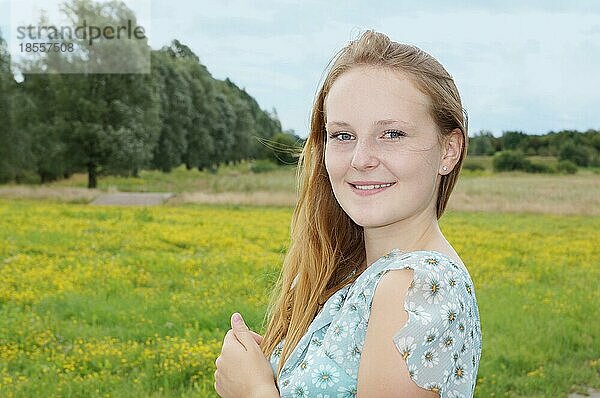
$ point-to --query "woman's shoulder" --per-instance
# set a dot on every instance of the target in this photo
(421, 261)
(439, 282)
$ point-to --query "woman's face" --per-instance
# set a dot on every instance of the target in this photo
(379, 130)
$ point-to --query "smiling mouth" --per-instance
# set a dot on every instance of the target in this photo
(372, 187)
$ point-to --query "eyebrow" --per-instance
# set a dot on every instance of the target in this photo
(384, 122)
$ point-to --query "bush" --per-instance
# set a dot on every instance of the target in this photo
(262, 166)
(537, 167)
(578, 154)
(472, 166)
(566, 166)
(509, 160)
(515, 160)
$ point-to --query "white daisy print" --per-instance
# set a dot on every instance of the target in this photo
(449, 313)
(320, 352)
(462, 329)
(451, 279)
(447, 341)
(325, 376)
(367, 292)
(362, 297)
(300, 390)
(464, 346)
(459, 373)
(456, 394)
(346, 392)
(430, 336)
(433, 386)
(406, 346)
(336, 305)
(303, 366)
(419, 312)
(334, 352)
(278, 350)
(353, 353)
(430, 358)
(338, 330)
(431, 263)
(433, 290)
(413, 371)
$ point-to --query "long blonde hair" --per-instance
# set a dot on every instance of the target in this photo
(326, 245)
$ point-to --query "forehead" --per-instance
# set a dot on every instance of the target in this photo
(367, 92)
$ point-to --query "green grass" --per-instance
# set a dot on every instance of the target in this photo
(129, 302)
(230, 178)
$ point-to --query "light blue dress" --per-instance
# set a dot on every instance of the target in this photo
(441, 341)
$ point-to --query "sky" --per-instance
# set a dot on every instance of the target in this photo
(530, 66)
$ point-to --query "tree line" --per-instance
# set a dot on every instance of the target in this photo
(55, 124)
(580, 148)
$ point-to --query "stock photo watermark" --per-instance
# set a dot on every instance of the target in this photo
(80, 37)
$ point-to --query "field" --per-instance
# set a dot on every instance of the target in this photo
(479, 190)
(132, 302)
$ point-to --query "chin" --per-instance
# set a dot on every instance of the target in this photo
(367, 219)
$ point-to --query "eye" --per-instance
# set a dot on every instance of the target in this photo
(397, 133)
(335, 135)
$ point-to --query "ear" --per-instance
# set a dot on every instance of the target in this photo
(451, 151)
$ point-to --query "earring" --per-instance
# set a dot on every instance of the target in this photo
(445, 168)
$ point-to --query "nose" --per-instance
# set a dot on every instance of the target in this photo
(365, 156)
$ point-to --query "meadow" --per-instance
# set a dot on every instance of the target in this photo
(134, 301)
(478, 190)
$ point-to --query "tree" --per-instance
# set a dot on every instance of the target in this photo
(578, 154)
(482, 143)
(509, 160)
(176, 110)
(106, 123)
(7, 135)
(512, 140)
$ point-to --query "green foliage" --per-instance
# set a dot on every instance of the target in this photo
(262, 166)
(578, 154)
(176, 111)
(286, 148)
(531, 167)
(509, 160)
(583, 148)
(483, 143)
(118, 124)
(513, 140)
(472, 165)
(11, 144)
(103, 123)
(566, 166)
(515, 160)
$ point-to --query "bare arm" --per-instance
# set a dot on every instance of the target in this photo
(383, 372)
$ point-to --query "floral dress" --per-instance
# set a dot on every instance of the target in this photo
(441, 341)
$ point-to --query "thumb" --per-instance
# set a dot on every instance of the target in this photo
(257, 337)
(241, 331)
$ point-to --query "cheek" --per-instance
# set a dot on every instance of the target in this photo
(334, 163)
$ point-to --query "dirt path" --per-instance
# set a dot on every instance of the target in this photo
(132, 199)
(590, 394)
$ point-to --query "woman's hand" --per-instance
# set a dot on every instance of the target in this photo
(242, 369)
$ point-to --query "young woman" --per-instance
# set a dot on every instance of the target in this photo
(373, 301)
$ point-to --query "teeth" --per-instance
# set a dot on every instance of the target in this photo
(366, 187)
